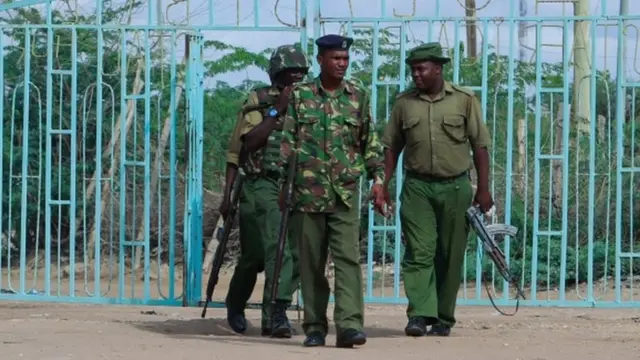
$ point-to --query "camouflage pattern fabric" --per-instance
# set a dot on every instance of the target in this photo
(265, 97)
(287, 57)
(335, 141)
(267, 157)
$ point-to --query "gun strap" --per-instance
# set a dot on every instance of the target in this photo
(297, 132)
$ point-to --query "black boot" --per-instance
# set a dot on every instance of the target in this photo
(281, 328)
(349, 338)
(314, 339)
(237, 321)
(416, 327)
(439, 330)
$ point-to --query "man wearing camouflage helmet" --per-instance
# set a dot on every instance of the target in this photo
(258, 134)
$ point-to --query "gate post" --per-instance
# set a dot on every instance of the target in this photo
(194, 143)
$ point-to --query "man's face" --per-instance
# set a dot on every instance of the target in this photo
(334, 63)
(290, 76)
(424, 74)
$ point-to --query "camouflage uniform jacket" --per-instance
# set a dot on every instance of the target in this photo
(335, 142)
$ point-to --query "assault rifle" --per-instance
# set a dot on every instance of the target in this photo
(223, 234)
(487, 234)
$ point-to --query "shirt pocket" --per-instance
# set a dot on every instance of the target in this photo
(454, 127)
(413, 131)
(307, 128)
(352, 131)
(347, 161)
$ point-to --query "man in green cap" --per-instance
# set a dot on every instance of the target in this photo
(435, 123)
(258, 134)
(328, 129)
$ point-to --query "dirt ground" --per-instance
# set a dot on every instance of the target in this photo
(61, 331)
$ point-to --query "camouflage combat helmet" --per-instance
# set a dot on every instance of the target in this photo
(286, 57)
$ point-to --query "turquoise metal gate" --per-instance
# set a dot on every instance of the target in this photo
(105, 156)
(193, 208)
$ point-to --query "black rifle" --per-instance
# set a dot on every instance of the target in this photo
(223, 238)
(487, 234)
(288, 188)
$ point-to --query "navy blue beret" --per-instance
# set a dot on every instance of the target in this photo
(331, 42)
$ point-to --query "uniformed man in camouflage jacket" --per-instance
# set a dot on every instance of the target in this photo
(435, 123)
(328, 127)
(258, 133)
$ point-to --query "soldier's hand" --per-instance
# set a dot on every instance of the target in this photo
(282, 103)
(225, 206)
(483, 200)
(379, 199)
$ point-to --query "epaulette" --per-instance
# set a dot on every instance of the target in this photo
(263, 95)
(405, 92)
(463, 89)
(264, 100)
(357, 83)
(261, 87)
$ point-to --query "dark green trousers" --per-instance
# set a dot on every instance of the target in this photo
(435, 230)
(268, 215)
(251, 260)
(259, 227)
(316, 233)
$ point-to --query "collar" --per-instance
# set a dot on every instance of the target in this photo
(447, 89)
(345, 86)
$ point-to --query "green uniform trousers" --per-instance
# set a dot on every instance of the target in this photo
(259, 225)
(251, 260)
(316, 233)
(435, 230)
(267, 192)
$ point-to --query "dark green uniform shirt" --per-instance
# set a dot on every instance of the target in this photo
(435, 134)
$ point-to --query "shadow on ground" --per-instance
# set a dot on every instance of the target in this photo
(217, 330)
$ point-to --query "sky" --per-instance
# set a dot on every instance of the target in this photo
(241, 13)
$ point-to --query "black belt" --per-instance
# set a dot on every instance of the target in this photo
(434, 178)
